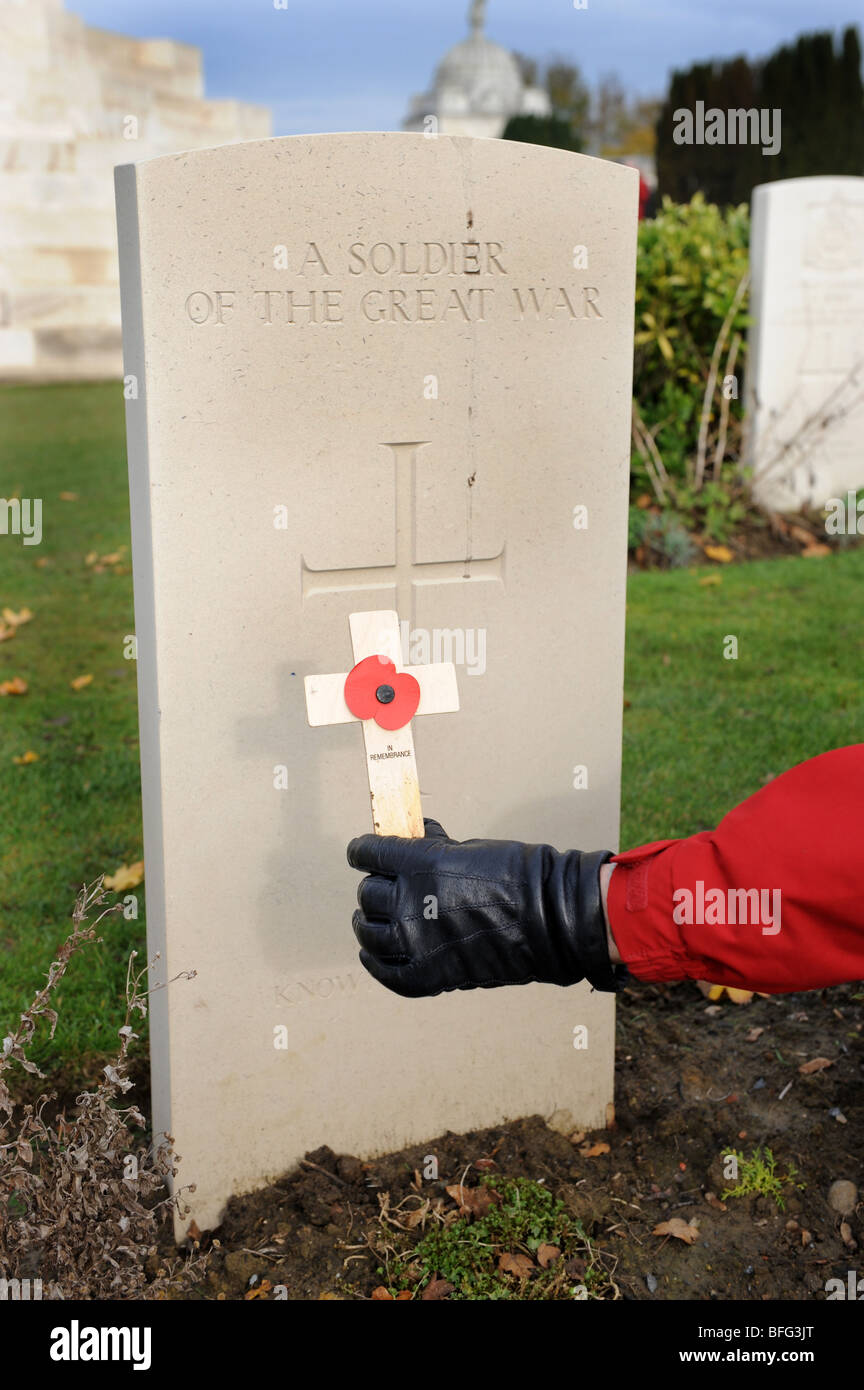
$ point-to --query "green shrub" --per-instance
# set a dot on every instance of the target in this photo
(663, 536)
(691, 321)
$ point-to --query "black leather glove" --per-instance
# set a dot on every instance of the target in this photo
(437, 915)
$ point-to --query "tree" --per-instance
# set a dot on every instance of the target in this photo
(568, 95)
(542, 130)
(529, 69)
(815, 86)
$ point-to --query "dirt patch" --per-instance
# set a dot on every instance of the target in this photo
(691, 1087)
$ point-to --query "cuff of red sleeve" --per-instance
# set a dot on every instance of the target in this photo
(639, 905)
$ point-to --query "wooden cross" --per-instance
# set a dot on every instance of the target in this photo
(384, 695)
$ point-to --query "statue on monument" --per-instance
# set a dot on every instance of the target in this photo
(477, 16)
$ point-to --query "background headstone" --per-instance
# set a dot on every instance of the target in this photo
(373, 371)
(805, 381)
(74, 102)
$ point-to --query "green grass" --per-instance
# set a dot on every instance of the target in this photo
(76, 812)
(701, 732)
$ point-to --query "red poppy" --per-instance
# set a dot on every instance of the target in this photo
(374, 690)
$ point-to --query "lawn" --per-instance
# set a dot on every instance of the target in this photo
(701, 731)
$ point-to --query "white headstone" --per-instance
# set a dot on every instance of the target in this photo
(806, 372)
(374, 371)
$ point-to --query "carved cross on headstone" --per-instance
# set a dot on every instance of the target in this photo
(384, 695)
(406, 574)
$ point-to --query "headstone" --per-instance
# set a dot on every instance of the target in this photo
(373, 371)
(806, 372)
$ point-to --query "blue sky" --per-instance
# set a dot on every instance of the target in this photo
(352, 64)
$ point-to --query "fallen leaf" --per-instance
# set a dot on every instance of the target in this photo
(681, 1230)
(127, 876)
(484, 1164)
(28, 757)
(754, 1034)
(711, 579)
(817, 1064)
(800, 535)
(382, 1295)
(846, 1235)
(737, 996)
(402, 1297)
(520, 1265)
(714, 1201)
(24, 615)
(435, 1290)
(80, 682)
(547, 1255)
(593, 1150)
(473, 1201)
(260, 1290)
(410, 1219)
(577, 1136)
(721, 553)
(6, 633)
(815, 549)
(16, 686)
(68, 496)
(806, 1238)
(710, 991)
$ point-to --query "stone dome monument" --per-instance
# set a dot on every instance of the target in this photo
(477, 87)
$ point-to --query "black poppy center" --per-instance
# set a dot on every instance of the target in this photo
(385, 694)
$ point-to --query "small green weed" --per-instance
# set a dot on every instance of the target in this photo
(757, 1177)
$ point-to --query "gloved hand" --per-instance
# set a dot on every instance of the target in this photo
(438, 915)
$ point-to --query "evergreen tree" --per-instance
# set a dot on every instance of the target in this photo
(542, 130)
(816, 86)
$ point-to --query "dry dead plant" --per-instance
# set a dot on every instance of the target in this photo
(83, 1201)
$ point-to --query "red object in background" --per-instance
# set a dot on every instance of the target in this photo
(375, 690)
(802, 835)
(644, 195)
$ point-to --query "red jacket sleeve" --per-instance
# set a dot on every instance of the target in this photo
(772, 900)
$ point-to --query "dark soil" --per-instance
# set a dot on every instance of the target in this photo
(758, 537)
(691, 1086)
